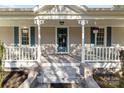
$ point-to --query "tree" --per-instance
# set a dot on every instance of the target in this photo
(118, 6)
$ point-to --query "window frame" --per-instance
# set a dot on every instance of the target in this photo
(20, 36)
(104, 37)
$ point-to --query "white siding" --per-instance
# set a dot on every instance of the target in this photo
(118, 36)
(7, 35)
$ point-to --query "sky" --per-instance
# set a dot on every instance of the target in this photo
(99, 6)
(16, 6)
(30, 6)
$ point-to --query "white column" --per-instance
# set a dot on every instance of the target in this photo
(82, 23)
(38, 21)
(95, 39)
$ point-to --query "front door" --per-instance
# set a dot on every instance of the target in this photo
(62, 40)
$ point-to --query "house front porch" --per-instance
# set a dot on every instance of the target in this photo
(62, 44)
(61, 33)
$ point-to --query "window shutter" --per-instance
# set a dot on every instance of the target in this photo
(92, 36)
(109, 37)
(16, 36)
(32, 36)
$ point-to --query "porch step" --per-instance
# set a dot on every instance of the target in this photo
(19, 64)
(58, 74)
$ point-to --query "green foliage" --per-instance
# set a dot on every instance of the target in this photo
(1, 57)
(108, 85)
(122, 61)
(1, 52)
(118, 6)
(121, 83)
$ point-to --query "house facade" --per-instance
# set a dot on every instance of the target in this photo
(61, 35)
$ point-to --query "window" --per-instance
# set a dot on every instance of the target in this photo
(25, 36)
(100, 37)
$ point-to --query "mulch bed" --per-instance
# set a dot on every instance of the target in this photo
(108, 78)
(3, 74)
(14, 79)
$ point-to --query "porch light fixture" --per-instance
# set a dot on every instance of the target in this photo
(95, 30)
(25, 30)
(61, 22)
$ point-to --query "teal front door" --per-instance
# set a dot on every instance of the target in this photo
(62, 40)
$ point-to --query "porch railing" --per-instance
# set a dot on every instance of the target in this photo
(20, 53)
(102, 54)
(91, 54)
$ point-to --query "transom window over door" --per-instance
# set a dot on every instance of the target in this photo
(100, 37)
(25, 36)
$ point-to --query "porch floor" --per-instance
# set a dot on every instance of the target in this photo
(56, 58)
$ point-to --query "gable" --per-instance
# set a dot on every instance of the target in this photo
(59, 9)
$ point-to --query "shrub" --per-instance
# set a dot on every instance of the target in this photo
(1, 57)
(122, 61)
(1, 52)
(121, 83)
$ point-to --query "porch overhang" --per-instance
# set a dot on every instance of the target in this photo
(59, 17)
(77, 17)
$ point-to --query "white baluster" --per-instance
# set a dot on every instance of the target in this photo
(21, 53)
(86, 53)
(103, 53)
(112, 52)
(25, 53)
(96, 53)
(6, 54)
(106, 53)
(35, 53)
(118, 55)
(99, 53)
(31, 53)
(28, 53)
(109, 54)
(10, 53)
(92, 53)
